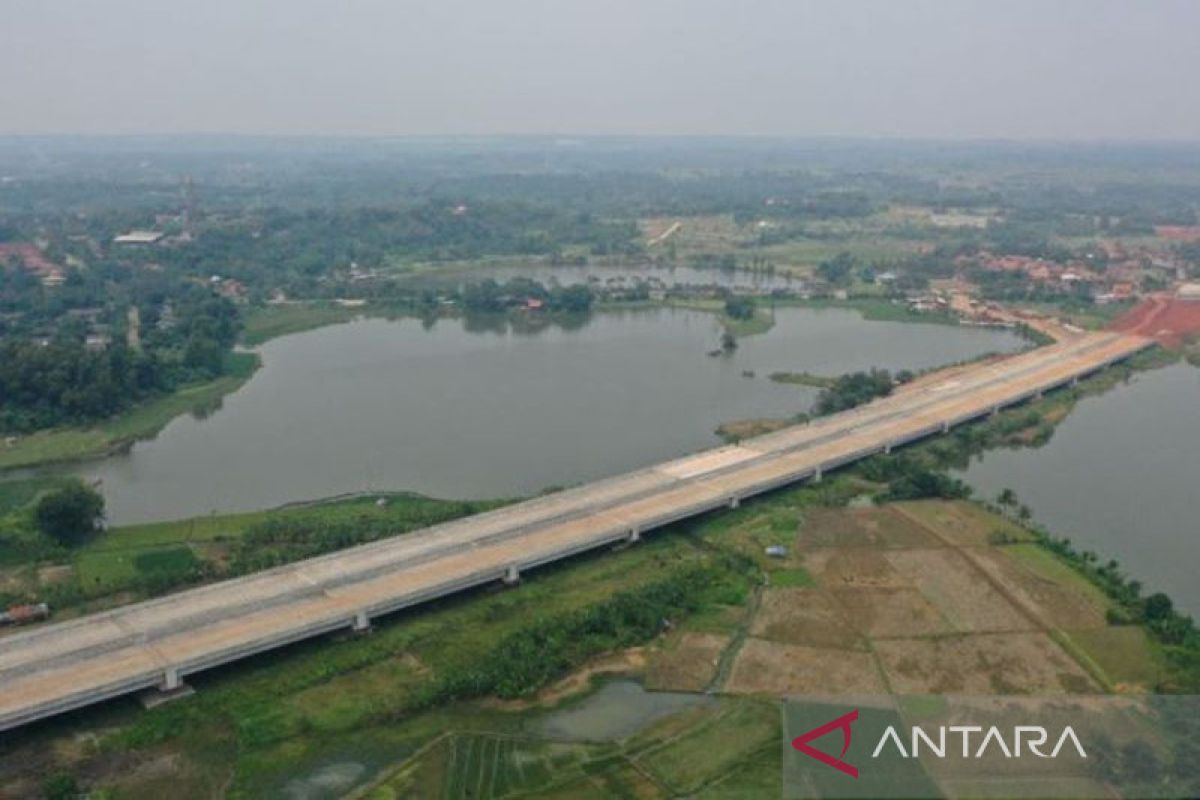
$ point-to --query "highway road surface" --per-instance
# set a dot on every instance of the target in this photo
(57, 667)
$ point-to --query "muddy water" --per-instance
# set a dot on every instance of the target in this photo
(618, 710)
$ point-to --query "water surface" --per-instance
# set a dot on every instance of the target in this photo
(1120, 476)
(461, 410)
(618, 710)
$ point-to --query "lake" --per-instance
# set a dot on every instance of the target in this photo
(1120, 476)
(463, 410)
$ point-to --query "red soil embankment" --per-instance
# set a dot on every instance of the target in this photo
(1161, 317)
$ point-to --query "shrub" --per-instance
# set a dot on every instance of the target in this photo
(70, 515)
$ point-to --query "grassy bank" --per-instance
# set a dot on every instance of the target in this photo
(270, 322)
(761, 322)
(140, 422)
(875, 310)
(803, 379)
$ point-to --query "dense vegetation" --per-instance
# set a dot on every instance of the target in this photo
(71, 514)
(68, 379)
(545, 649)
(488, 296)
(853, 390)
(739, 307)
(279, 540)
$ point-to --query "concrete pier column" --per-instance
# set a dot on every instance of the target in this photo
(170, 689)
(361, 622)
(1074, 381)
(734, 501)
(817, 475)
(512, 576)
(1039, 395)
(945, 427)
(635, 535)
(995, 410)
(887, 448)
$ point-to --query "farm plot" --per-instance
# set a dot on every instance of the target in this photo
(804, 616)
(863, 527)
(953, 585)
(925, 597)
(1005, 663)
(688, 663)
(774, 668)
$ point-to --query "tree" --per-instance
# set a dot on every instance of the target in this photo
(739, 307)
(70, 515)
(1007, 497)
(836, 271)
(1158, 607)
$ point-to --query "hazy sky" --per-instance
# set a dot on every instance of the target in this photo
(933, 68)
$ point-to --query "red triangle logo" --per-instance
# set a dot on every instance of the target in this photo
(842, 723)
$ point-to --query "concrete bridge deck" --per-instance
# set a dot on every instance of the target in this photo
(58, 667)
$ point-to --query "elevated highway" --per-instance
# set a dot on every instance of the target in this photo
(59, 667)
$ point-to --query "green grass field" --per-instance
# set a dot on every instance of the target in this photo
(762, 321)
(263, 324)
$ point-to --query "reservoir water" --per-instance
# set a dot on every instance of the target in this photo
(1120, 476)
(463, 410)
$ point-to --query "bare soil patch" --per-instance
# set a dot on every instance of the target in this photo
(891, 612)
(803, 616)
(686, 664)
(958, 590)
(54, 574)
(1052, 602)
(835, 567)
(1008, 663)
(959, 524)
(863, 527)
(775, 668)
(1167, 319)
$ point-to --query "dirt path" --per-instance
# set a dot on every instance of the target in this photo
(667, 234)
(730, 654)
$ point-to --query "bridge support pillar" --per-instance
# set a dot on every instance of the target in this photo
(735, 501)
(1038, 395)
(635, 535)
(362, 623)
(1074, 382)
(887, 448)
(171, 688)
(512, 576)
(995, 410)
(945, 427)
(817, 475)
